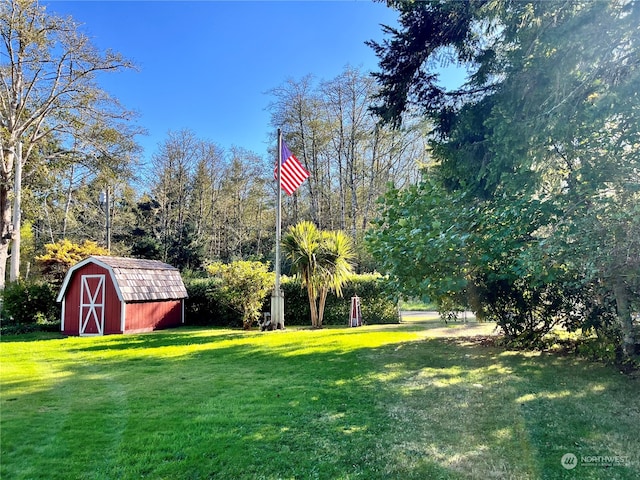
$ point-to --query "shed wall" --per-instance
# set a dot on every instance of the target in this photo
(148, 316)
(71, 313)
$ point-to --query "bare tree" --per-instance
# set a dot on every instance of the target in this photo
(296, 109)
(47, 89)
(350, 157)
(172, 169)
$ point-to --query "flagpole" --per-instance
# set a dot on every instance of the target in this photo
(279, 211)
(277, 299)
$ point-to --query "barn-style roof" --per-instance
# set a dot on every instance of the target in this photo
(136, 280)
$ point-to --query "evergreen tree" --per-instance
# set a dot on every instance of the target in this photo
(535, 182)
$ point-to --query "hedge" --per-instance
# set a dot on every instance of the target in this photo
(376, 306)
(205, 306)
(29, 306)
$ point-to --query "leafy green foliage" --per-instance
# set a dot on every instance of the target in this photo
(29, 306)
(427, 28)
(529, 211)
(461, 255)
(378, 306)
(243, 286)
(144, 245)
(322, 261)
(206, 304)
(302, 248)
(185, 252)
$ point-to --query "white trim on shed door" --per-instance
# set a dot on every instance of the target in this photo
(91, 305)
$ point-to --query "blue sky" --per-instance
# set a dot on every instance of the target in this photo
(208, 65)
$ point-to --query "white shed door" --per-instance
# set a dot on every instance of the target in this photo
(92, 305)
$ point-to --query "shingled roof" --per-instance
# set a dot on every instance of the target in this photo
(137, 280)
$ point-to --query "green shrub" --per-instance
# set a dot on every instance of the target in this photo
(206, 304)
(376, 305)
(243, 286)
(29, 306)
(206, 307)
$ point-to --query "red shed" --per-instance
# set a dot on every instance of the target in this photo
(103, 295)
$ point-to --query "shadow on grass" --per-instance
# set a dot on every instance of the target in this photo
(430, 408)
(31, 337)
(188, 336)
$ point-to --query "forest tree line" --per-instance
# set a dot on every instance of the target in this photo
(69, 150)
(195, 202)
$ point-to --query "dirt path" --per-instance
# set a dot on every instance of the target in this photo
(433, 326)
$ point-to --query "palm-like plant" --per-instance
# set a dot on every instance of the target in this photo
(322, 260)
(301, 245)
(335, 265)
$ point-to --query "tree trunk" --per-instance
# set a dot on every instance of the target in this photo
(624, 317)
(67, 203)
(352, 177)
(373, 179)
(5, 222)
(323, 299)
(45, 207)
(4, 256)
(312, 306)
(14, 273)
(5, 212)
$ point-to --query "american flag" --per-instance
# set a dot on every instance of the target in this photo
(293, 173)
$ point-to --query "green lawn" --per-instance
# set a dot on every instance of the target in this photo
(412, 401)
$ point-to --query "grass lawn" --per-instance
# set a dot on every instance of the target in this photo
(419, 400)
